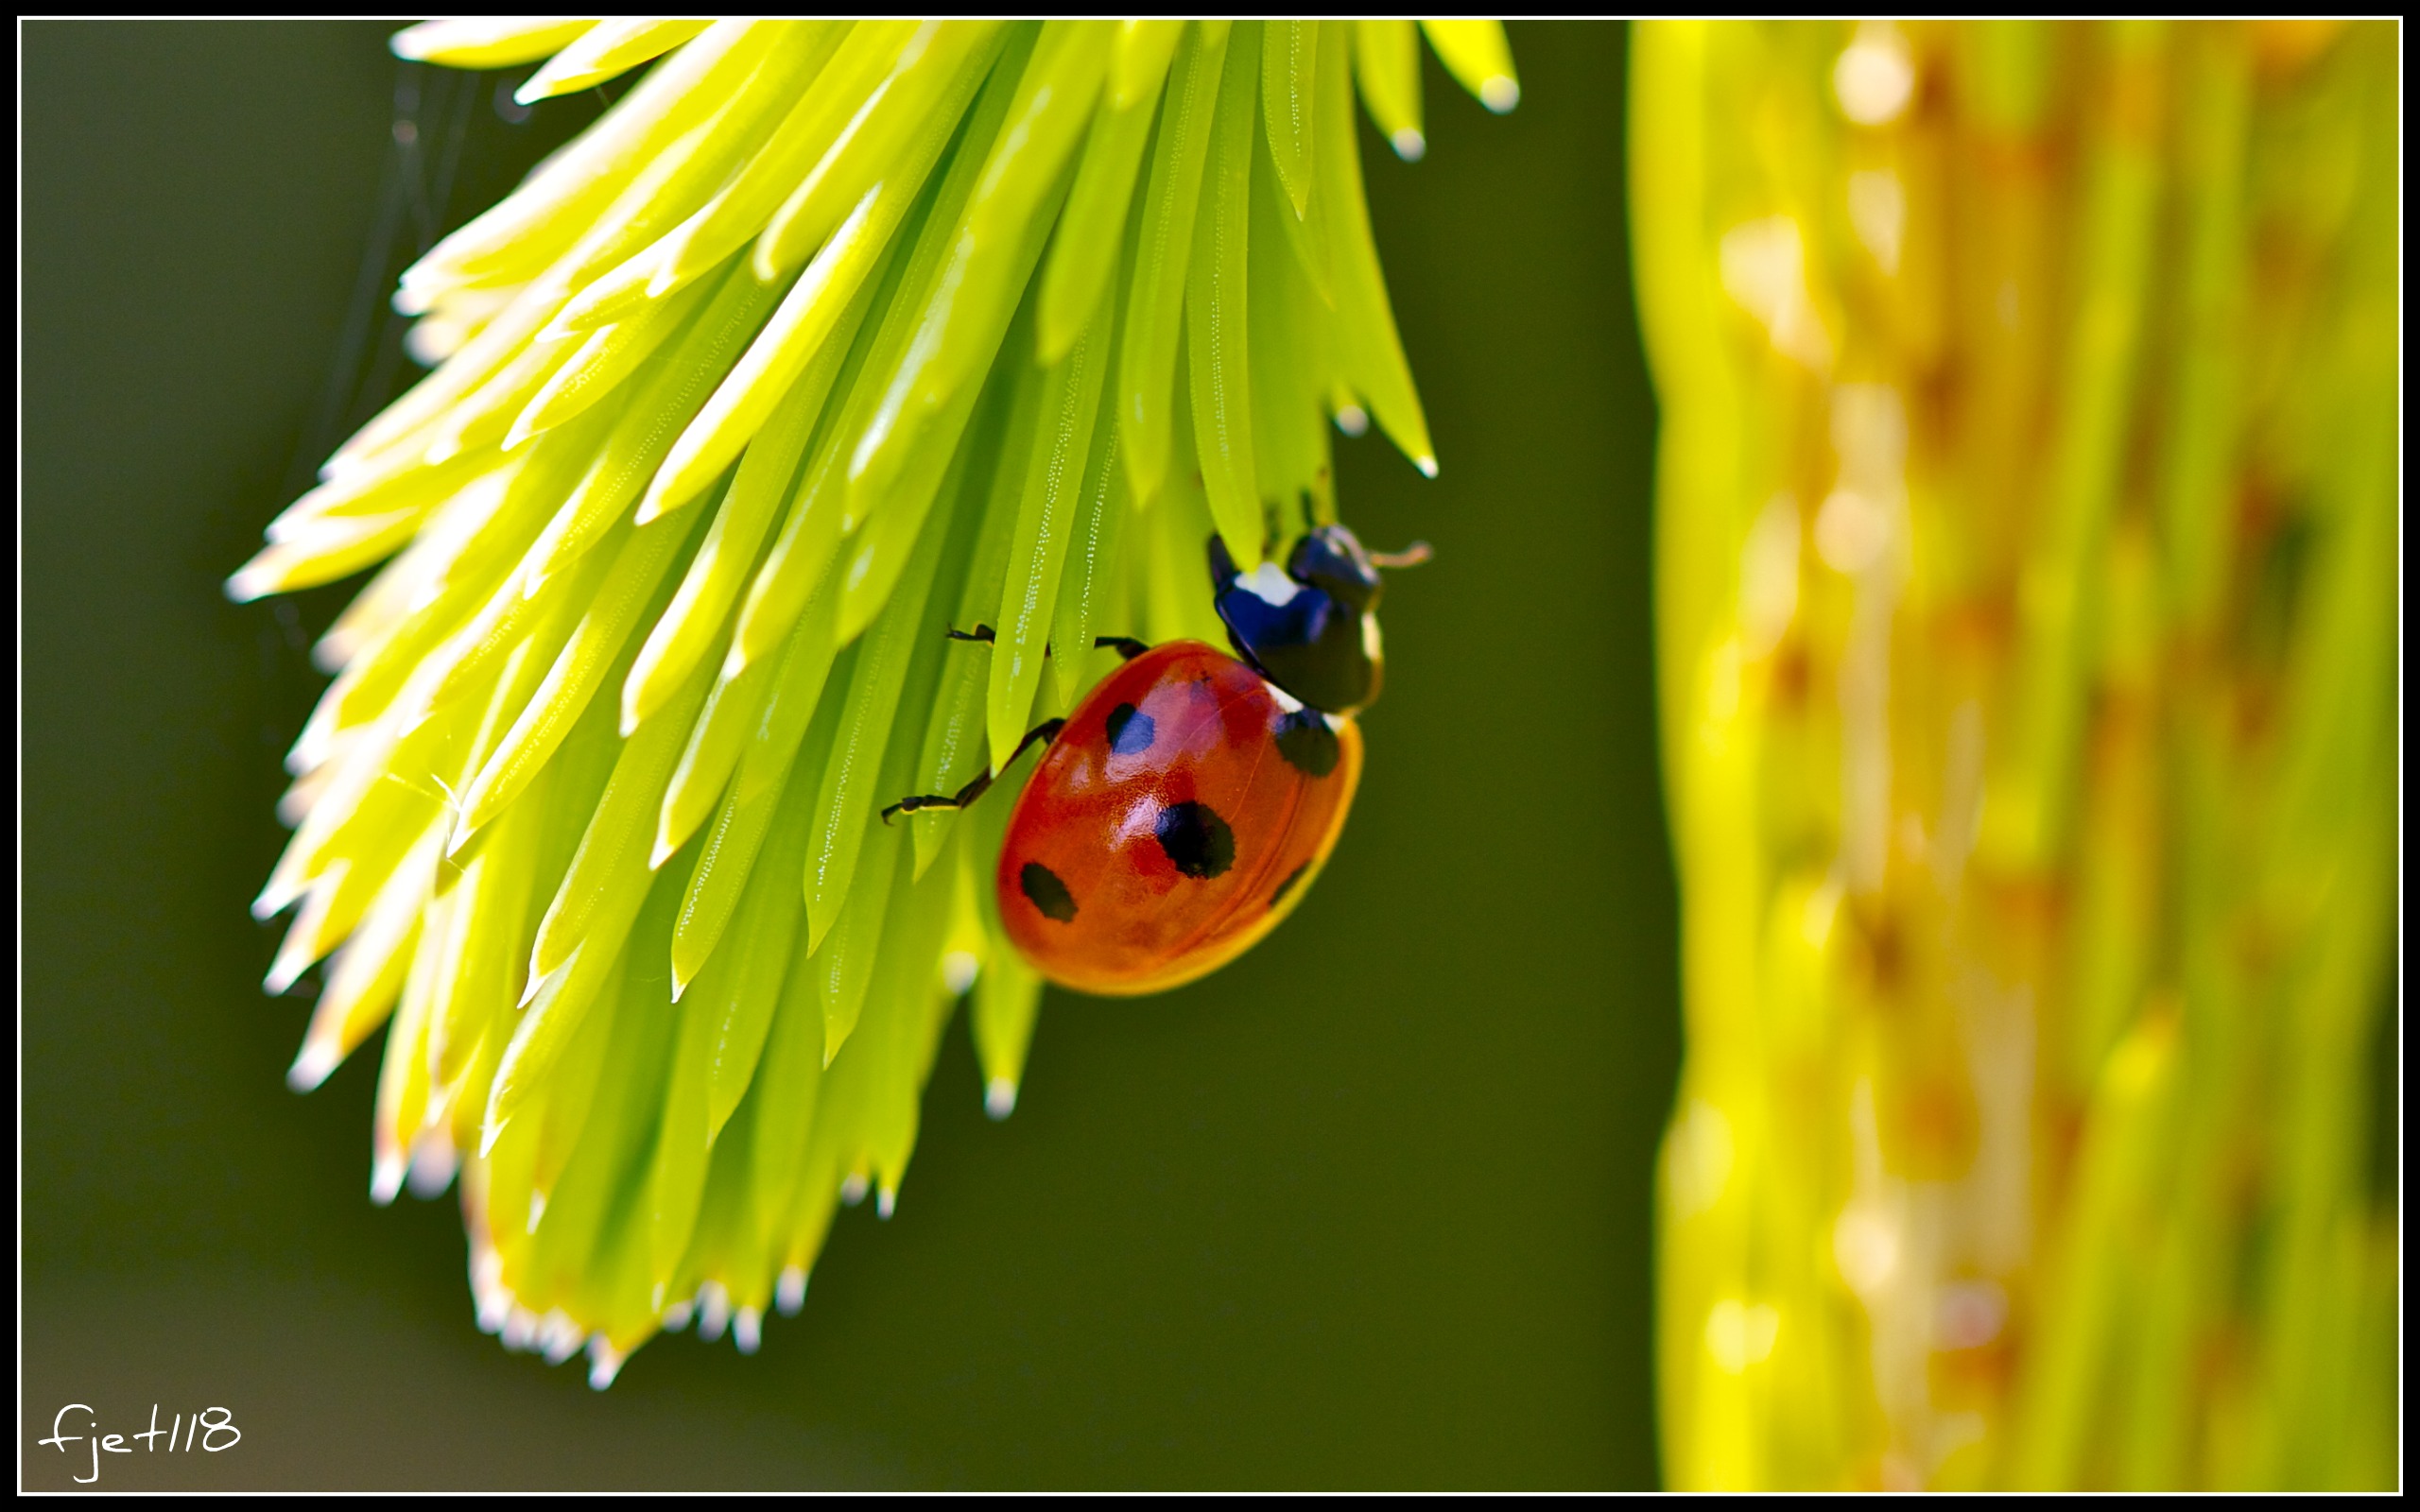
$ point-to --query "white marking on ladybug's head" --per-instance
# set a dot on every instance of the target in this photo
(1369, 645)
(1285, 700)
(1269, 583)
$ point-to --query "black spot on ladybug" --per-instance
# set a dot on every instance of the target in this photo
(1307, 742)
(1277, 898)
(1044, 889)
(1131, 730)
(1195, 840)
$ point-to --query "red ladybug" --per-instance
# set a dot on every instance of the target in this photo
(1187, 804)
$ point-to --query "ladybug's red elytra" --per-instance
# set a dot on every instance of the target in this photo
(1187, 804)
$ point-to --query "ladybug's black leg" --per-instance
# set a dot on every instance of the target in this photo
(1045, 732)
(1126, 646)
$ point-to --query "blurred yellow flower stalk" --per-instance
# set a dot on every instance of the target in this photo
(825, 338)
(2027, 560)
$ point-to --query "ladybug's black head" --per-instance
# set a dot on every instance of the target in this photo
(1311, 627)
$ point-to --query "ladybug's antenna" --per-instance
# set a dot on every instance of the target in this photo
(1411, 556)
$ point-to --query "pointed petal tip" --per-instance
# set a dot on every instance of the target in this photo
(1056, 328)
(999, 1098)
(1500, 94)
(1408, 145)
(434, 1165)
(312, 1067)
(642, 694)
(387, 1180)
(713, 1311)
(959, 968)
(789, 1291)
(886, 1202)
(1428, 465)
(520, 1329)
(818, 930)
(558, 1337)
(284, 972)
(490, 1302)
(672, 269)
(748, 1329)
(604, 1364)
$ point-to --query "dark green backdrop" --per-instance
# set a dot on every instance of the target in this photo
(1370, 1208)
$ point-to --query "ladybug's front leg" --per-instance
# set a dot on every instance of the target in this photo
(1045, 732)
(1127, 648)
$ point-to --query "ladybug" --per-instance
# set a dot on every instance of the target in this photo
(1187, 804)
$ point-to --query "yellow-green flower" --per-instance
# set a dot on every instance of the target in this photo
(2028, 529)
(826, 336)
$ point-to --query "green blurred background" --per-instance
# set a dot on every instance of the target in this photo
(1370, 1208)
